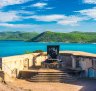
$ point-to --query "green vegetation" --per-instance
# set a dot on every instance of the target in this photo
(72, 37)
(37, 51)
(17, 35)
(48, 36)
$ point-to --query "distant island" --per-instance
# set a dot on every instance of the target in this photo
(48, 36)
(72, 37)
(17, 35)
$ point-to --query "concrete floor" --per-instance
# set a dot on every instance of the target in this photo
(80, 85)
(88, 84)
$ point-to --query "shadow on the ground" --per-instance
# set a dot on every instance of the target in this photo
(87, 84)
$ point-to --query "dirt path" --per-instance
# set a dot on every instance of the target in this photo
(9, 87)
(46, 86)
(23, 85)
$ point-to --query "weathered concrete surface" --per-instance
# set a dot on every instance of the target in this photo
(9, 87)
(46, 86)
(13, 64)
(80, 85)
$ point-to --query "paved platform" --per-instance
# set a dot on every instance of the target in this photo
(41, 70)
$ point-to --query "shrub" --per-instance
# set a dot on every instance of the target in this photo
(37, 51)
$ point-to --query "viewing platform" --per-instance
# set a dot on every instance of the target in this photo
(46, 75)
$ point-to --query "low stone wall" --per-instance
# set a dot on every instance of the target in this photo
(27, 74)
(1, 76)
(13, 64)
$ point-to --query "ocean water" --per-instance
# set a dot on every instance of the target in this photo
(9, 48)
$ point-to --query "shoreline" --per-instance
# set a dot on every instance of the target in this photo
(51, 42)
(65, 51)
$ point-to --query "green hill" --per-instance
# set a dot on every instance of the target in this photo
(17, 35)
(48, 36)
(72, 37)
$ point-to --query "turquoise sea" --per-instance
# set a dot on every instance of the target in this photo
(9, 48)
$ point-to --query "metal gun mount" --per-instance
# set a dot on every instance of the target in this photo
(52, 52)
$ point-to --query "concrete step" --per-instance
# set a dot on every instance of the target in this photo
(61, 79)
(51, 80)
(52, 76)
(52, 73)
(45, 81)
(49, 76)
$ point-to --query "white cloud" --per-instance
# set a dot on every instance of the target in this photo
(8, 16)
(6, 25)
(11, 2)
(48, 18)
(91, 13)
(24, 12)
(49, 8)
(71, 20)
(13, 15)
(17, 25)
(60, 19)
(90, 1)
(39, 5)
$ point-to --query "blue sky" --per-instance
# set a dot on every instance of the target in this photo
(48, 15)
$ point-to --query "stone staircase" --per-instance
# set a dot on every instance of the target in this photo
(50, 75)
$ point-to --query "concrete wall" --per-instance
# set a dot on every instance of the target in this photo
(70, 62)
(13, 64)
(40, 59)
(85, 63)
(0, 63)
(1, 76)
(66, 60)
(94, 63)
